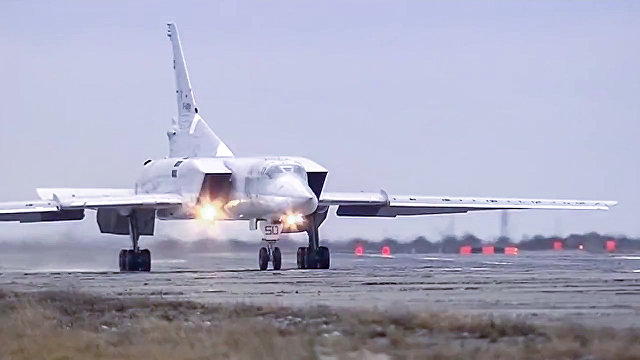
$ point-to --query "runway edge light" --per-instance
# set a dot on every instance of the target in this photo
(386, 251)
(610, 245)
(511, 250)
(557, 245)
(488, 250)
(465, 250)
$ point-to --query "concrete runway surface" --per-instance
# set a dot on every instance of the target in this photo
(569, 286)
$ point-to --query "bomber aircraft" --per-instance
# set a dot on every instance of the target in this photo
(201, 179)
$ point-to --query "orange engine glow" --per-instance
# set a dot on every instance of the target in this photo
(359, 250)
(465, 250)
(207, 212)
(386, 251)
(488, 250)
(511, 250)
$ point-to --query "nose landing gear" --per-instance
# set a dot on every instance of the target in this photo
(270, 234)
(270, 253)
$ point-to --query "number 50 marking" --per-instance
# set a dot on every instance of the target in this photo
(271, 230)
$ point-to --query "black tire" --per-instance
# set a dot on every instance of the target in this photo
(324, 257)
(122, 260)
(277, 258)
(263, 258)
(301, 258)
(144, 260)
(131, 261)
(311, 258)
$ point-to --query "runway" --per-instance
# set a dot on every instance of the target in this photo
(591, 289)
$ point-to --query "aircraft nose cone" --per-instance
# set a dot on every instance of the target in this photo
(300, 198)
(309, 204)
(304, 201)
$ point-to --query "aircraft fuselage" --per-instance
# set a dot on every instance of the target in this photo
(237, 188)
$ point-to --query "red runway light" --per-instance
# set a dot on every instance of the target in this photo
(557, 245)
(488, 250)
(359, 250)
(511, 250)
(611, 245)
(465, 250)
(386, 251)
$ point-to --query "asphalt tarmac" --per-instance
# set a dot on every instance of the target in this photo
(568, 286)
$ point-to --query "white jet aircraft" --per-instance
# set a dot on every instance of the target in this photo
(201, 179)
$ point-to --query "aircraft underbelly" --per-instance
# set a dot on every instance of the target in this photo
(257, 207)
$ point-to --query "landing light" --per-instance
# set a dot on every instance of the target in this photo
(207, 212)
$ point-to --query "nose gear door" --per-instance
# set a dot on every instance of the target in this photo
(270, 230)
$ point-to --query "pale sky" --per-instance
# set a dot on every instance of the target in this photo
(485, 98)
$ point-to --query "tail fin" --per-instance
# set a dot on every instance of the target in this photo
(189, 136)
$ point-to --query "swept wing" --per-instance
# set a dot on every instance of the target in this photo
(384, 205)
(69, 204)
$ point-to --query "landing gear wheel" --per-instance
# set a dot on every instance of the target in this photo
(311, 258)
(122, 260)
(301, 258)
(324, 258)
(263, 258)
(144, 260)
(129, 260)
(277, 258)
(134, 259)
(307, 258)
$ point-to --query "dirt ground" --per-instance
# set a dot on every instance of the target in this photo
(73, 325)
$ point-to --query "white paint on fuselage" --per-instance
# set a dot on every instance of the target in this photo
(262, 188)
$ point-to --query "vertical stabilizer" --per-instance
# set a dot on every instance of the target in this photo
(190, 136)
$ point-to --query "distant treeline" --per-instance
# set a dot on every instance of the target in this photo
(592, 242)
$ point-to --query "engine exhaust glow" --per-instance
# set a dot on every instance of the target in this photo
(207, 212)
(294, 219)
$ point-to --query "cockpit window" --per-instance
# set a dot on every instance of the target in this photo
(277, 170)
(274, 171)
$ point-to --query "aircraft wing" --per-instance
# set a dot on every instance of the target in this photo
(383, 205)
(69, 204)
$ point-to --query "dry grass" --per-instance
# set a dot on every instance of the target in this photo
(68, 325)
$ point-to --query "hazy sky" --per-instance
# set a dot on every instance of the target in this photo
(505, 98)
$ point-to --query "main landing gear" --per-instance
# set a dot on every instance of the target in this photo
(309, 258)
(134, 259)
(314, 256)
